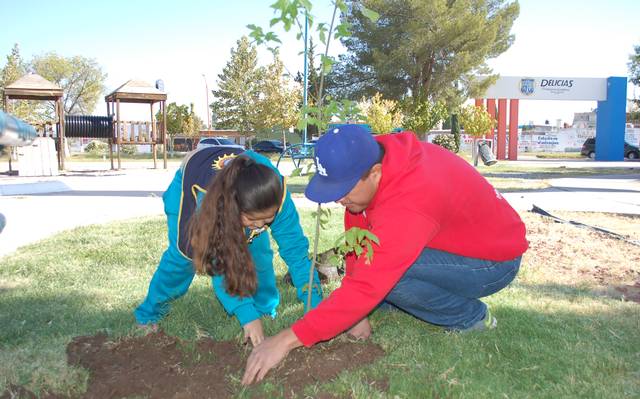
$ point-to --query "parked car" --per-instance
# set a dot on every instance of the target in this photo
(589, 149)
(268, 146)
(217, 142)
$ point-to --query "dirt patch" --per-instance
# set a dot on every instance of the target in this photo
(160, 366)
(569, 255)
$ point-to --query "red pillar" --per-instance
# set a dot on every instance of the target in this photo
(479, 102)
(513, 129)
(491, 109)
(502, 129)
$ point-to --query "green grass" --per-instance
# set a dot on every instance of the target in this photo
(552, 341)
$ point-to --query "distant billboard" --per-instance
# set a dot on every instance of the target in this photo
(548, 88)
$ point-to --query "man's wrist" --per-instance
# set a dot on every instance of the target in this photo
(290, 339)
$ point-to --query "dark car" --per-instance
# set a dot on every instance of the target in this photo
(589, 149)
(268, 146)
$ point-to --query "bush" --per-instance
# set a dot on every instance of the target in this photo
(445, 140)
(96, 147)
(128, 149)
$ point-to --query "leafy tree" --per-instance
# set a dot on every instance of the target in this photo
(13, 70)
(476, 121)
(192, 123)
(278, 106)
(634, 69)
(423, 49)
(313, 83)
(177, 116)
(239, 90)
(382, 115)
(424, 116)
(80, 78)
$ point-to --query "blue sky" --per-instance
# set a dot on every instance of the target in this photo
(179, 41)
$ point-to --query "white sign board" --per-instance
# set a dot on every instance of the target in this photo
(548, 88)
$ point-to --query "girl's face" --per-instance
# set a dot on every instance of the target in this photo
(257, 220)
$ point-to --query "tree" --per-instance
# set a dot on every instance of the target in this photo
(239, 90)
(476, 121)
(423, 49)
(634, 69)
(382, 115)
(192, 123)
(181, 119)
(313, 84)
(424, 116)
(279, 100)
(13, 70)
(80, 78)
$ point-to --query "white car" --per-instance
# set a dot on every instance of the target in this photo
(217, 142)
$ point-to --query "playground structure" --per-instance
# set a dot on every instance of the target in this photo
(137, 133)
(34, 87)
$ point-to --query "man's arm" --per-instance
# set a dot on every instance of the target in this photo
(402, 237)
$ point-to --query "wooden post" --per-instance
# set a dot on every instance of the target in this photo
(153, 139)
(62, 129)
(9, 149)
(118, 132)
(164, 132)
(110, 139)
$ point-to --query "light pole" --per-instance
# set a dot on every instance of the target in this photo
(206, 86)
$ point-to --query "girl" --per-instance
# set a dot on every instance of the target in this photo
(220, 232)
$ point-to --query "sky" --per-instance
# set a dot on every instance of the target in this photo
(179, 42)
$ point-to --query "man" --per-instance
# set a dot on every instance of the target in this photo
(447, 238)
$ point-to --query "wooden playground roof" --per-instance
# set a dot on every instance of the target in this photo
(33, 87)
(136, 91)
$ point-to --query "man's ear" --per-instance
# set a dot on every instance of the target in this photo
(376, 172)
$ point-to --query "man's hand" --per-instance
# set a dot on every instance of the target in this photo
(269, 354)
(362, 330)
(253, 331)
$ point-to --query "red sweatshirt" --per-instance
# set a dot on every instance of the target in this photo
(427, 197)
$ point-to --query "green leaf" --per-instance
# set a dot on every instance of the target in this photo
(342, 6)
(372, 15)
(306, 4)
(358, 249)
(372, 237)
(369, 252)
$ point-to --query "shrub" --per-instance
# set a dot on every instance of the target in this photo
(445, 140)
(97, 147)
(128, 149)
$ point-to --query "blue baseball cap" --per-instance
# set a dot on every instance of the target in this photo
(343, 155)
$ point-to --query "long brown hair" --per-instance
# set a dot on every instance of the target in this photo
(218, 237)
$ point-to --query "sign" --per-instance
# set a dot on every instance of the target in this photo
(548, 88)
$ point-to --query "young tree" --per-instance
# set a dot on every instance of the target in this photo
(80, 78)
(382, 115)
(176, 118)
(13, 70)
(279, 98)
(425, 49)
(634, 70)
(239, 90)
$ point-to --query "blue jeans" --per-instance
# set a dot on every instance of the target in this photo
(443, 289)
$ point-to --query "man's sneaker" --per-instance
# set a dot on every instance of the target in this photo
(487, 323)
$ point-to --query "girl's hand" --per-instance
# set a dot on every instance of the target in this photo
(253, 331)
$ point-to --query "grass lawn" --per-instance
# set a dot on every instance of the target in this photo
(564, 331)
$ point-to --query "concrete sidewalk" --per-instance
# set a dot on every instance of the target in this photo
(36, 208)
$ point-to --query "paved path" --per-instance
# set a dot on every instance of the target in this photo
(36, 208)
